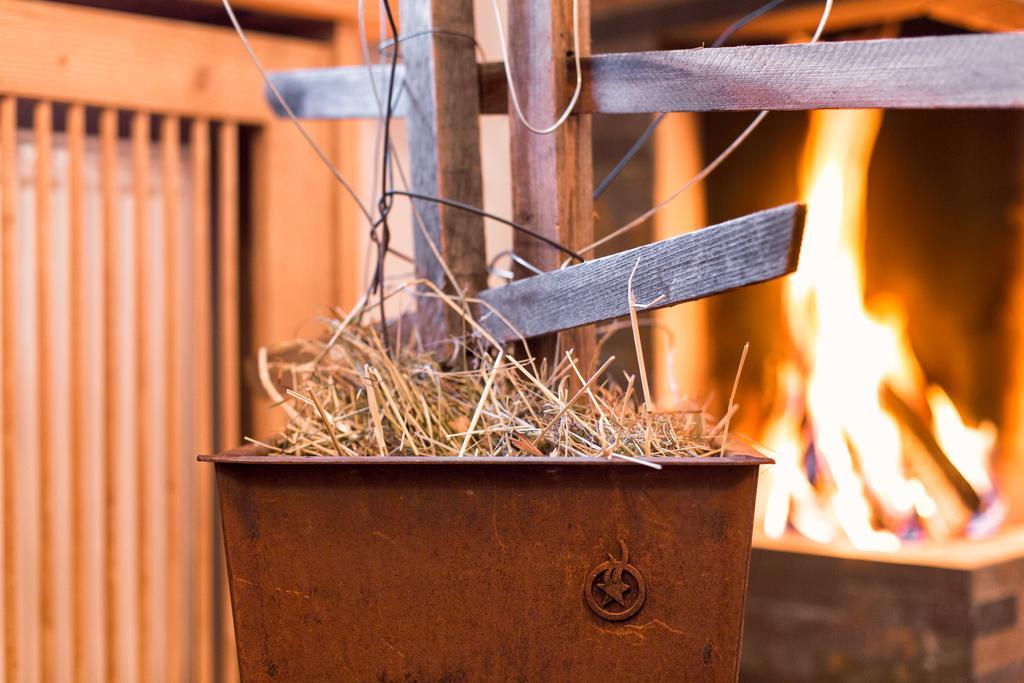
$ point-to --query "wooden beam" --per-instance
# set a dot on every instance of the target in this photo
(681, 347)
(9, 390)
(338, 92)
(228, 362)
(980, 15)
(115, 348)
(201, 322)
(44, 228)
(349, 223)
(935, 72)
(942, 72)
(78, 246)
(740, 252)
(687, 23)
(177, 453)
(692, 22)
(77, 54)
(322, 10)
(145, 395)
(443, 123)
(552, 174)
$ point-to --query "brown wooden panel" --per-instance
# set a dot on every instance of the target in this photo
(313, 9)
(350, 224)
(79, 398)
(53, 50)
(202, 402)
(980, 15)
(46, 348)
(8, 255)
(144, 395)
(170, 132)
(291, 266)
(228, 360)
(113, 368)
(681, 345)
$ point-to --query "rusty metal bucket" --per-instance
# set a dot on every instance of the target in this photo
(468, 569)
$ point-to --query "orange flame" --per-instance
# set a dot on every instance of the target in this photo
(844, 356)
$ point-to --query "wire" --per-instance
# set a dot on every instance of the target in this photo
(646, 135)
(517, 259)
(440, 200)
(385, 202)
(382, 241)
(383, 47)
(715, 163)
(704, 173)
(508, 71)
(480, 212)
(291, 114)
(492, 267)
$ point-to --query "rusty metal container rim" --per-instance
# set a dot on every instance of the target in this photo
(259, 455)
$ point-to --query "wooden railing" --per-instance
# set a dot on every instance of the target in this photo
(141, 179)
(108, 525)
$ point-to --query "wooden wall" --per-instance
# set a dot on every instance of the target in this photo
(157, 226)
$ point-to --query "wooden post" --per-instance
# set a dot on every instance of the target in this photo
(680, 360)
(444, 150)
(1010, 464)
(552, 175)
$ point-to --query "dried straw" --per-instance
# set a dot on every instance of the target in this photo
(345, 395)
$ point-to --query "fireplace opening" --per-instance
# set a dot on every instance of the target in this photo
(883, 372)
(886, 377)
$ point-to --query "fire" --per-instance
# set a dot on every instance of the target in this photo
(845, 467)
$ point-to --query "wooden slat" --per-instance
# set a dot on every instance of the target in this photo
(980, 15)
(696, 22)
(57, 51)
(144, 445)
(944, 72)
(202, 403)
(228, 359)
(444, 155)
(79, 396)
(681, 345)
(170, 154)
(685, 24)
(341, 92)
(350, 225)
(112, 364)
(734, 254)
(327, 10)
(9, 258)
(291, 269)
(1009, 464)
(552, 174)
(43, 139)
(937, 72)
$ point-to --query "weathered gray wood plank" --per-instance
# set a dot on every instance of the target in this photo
(740, 252)
(942, 72)
(552, 174)
(935, 72)
(342, 92)
(443, 124)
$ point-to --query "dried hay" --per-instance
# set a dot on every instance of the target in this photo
(346, 395)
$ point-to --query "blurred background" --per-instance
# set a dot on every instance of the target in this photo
(160, 225)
